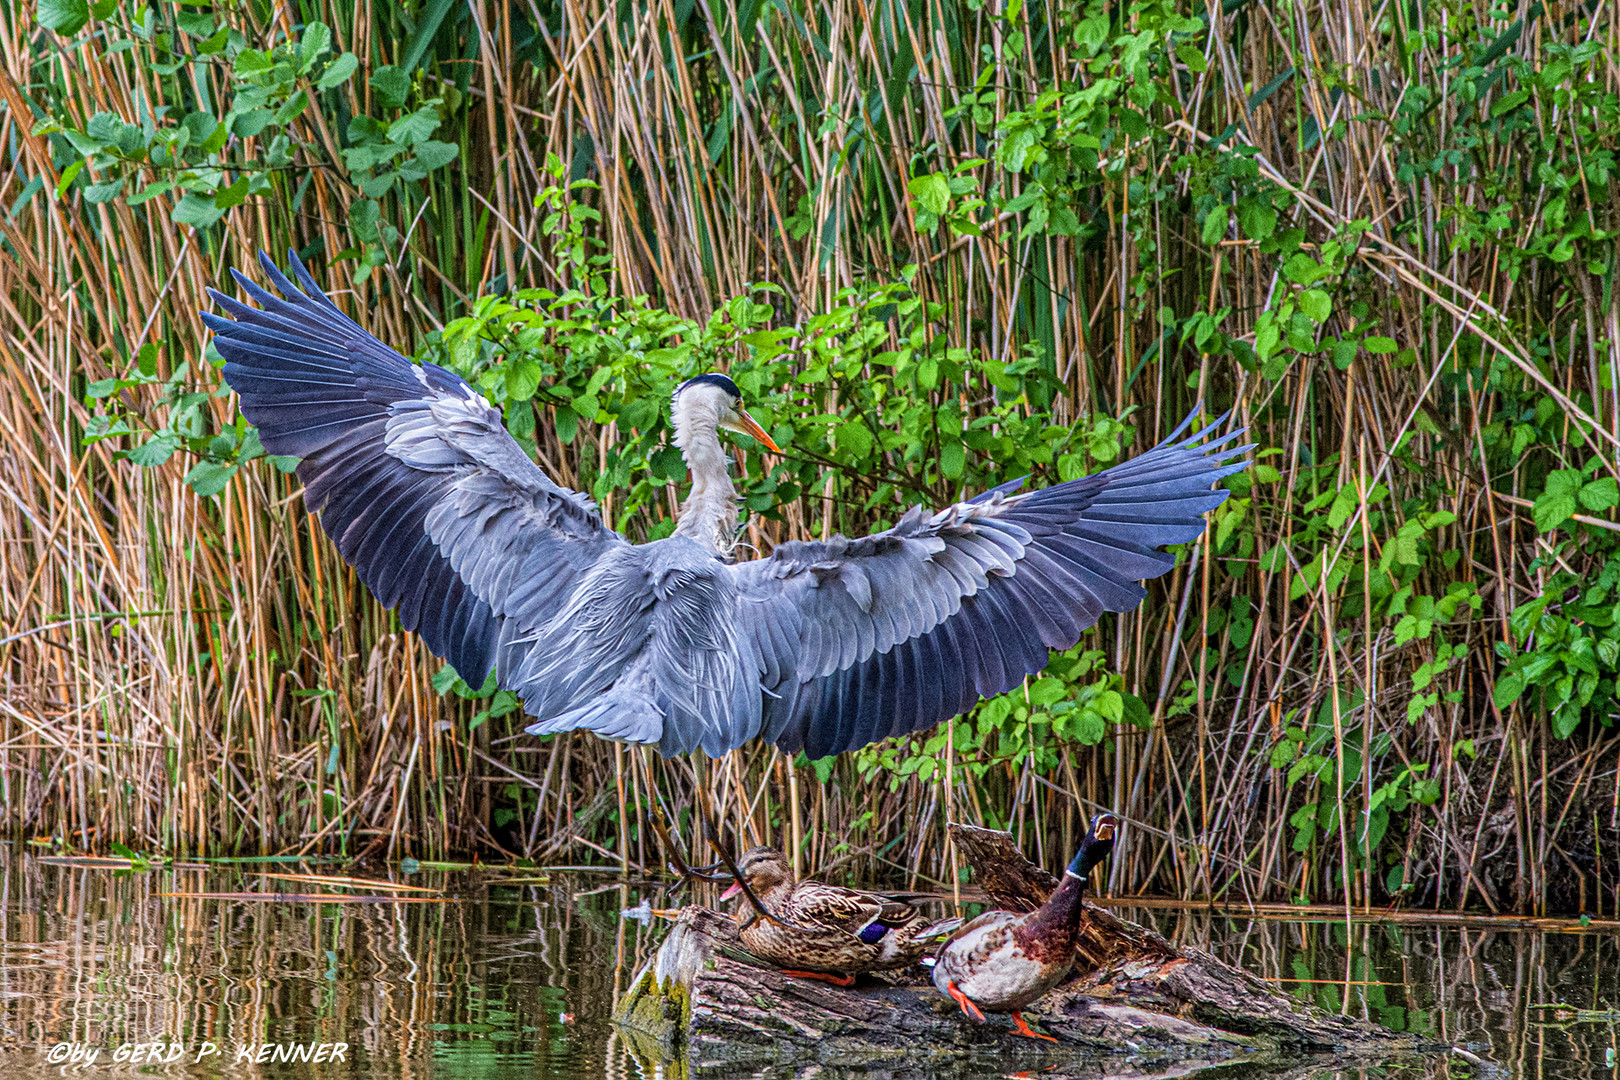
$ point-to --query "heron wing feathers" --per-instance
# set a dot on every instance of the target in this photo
(415, 479)
(655, 624)
(892, 633)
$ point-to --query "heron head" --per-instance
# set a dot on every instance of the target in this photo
(721, 394)
(765, 869)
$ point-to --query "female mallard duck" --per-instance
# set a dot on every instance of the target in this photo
(1003, 961)
(824, 932)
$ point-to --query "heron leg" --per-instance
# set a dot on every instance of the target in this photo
(968, 1007)
(821, 976)
(1021, 1026)
(700, 801)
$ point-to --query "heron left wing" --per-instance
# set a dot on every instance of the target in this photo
(895, 632)
(416, 481)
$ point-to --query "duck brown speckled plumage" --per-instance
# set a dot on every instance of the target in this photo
(832, 933)
(1003, 961)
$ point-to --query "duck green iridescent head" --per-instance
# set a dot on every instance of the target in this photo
(1099, 841)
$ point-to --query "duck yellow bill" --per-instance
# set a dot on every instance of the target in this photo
(751, 426)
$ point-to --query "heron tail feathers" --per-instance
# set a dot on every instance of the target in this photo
(620, 714)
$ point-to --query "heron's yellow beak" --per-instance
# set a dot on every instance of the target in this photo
(749, 426)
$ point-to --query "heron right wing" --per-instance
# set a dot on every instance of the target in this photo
(892, 633)
(417, 482)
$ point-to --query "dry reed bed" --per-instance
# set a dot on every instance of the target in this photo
(204, 675)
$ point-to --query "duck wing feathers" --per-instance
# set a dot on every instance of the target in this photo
(847, 910)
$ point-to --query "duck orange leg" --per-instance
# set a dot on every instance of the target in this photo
(968, 1007)
(1021, 1026)
(822, 976)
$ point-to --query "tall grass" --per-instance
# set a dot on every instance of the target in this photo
(199, 674)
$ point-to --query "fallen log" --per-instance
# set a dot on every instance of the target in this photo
(704, 997)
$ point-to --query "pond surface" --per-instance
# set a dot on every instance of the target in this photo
(498, 976)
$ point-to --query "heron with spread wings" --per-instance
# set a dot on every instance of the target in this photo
(819, 646)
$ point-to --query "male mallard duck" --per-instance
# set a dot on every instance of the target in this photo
(1003, 961)
(831, 933)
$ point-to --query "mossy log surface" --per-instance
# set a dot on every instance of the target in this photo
(1135, 1006)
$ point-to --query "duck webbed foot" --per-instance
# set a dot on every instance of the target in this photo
(968, 1007)
(1021, 1026)
(821, 976)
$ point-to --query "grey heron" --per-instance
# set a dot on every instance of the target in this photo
(819, 646)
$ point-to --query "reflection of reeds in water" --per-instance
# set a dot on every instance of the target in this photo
(1485, 986)
(477, 985)
(103, 959)
(202, 676)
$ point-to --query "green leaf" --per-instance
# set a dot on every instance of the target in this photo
(235, 195)
(291, 109)
(1344, 504)
(1192, 56)
(363, 217)
(522, 378)
(431, 155)
(1215, 225)
(208, 478)
(1315, 303)
(445, 680)
(63, 16)
(1257, 219)
(1552, 510)
(1303, 270)
(1267, 336)
(196, 23)
(68, 176)
(414, 127)
(198, 211)
(104, 192)
(567, 424)
(338, 71)
(932, 192)
(1047, 691)
(1601, 494)
(317, 40)
(1509, 102)
(1087, 728)
(1507, 689)
(1379, 344)
(154, 451)
(391, 85)
(952, 459)
(248, 124)
(852, 439)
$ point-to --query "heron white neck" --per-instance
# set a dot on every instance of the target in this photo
(709, 514)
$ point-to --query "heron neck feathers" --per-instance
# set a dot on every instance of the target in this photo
(709, 514)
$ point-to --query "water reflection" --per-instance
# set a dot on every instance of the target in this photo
(501, 979)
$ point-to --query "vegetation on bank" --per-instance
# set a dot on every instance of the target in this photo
(938, 246)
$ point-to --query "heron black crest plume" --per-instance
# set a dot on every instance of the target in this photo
(820, 646)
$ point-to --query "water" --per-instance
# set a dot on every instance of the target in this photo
(496, 978)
